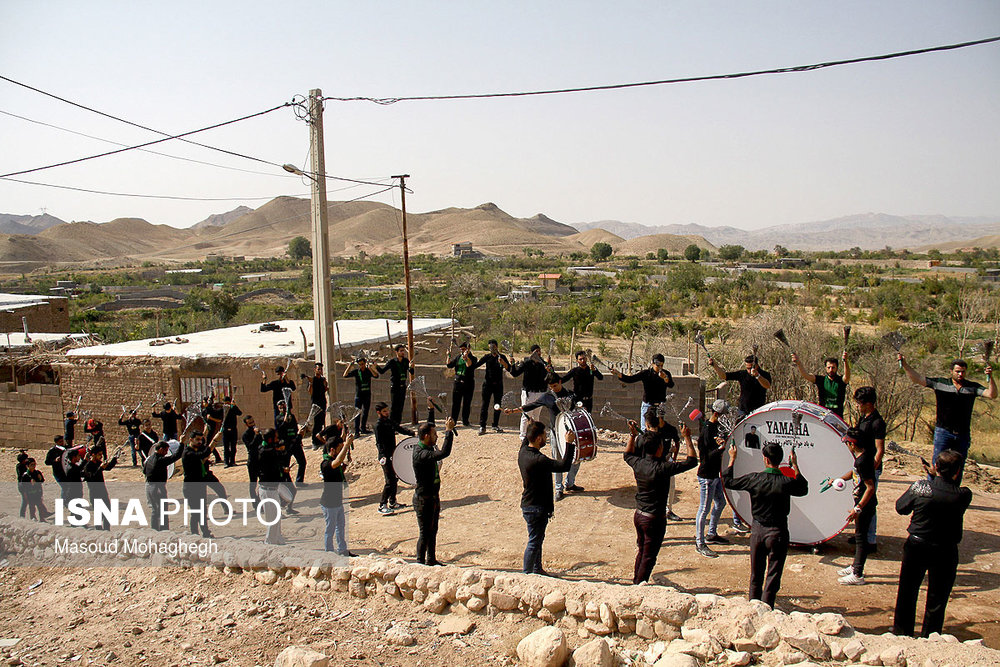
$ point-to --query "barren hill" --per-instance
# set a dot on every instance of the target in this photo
(990, 241)
(591, 236)
(118, 238)
(674, 244)
(219, 219)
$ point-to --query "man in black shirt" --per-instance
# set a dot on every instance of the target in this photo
(871, 432)
(54, 459)
(583, 376)
(155, 471)
(230, 434)
(252, 440)
(363, 376)
(287, 428)
(645, 455)
(549, 409)
(495, 363)
(751, 440)
(955, 397)
(273, 474)
(770, 492)
(711, 499)
(194, 487)
(93, 474)
(655, 382)
(147, 438)
(427, 494)
(536, 498)
(533, 369)
(865, 502)
(831, 387)
(169, 417)
(754, 382)
(400, 373)
(277, 387)
(938, 507)
(72, 484)
(465, 383)
(318, 388)
(133, 426)
(385, 443)
(69, 428)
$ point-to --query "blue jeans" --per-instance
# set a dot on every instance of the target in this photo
(873, 528)
(643, 409)
(537, 519)
(336, 528)
(710, 497)
(947, 440)
(570, 477)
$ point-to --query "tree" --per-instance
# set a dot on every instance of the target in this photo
(223, 306)
(600, 251)
(780, 251)
(731, 252)
(299, 248)
(692, 253)
(662, 254)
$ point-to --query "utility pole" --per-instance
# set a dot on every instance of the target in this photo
(322, 308)
(406, 284)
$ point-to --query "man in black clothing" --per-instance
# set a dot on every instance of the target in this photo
(54, 459)
(252, 440)
(770, 493)
(273, 474)
(69, 428)
(711, 499)
(465, 383)
(831, 387)
(548, 404)
(318, 388)
(583, 376)
(289, 433)
(212, 412)
(426, 495)
(195, 463)
(754, 382)
(93, 474)
(72, 484)
(230, 413)
(655, 382)
(400, 373)
(155, 471)
(385, 442)
(277, 387)
(495, 363)
(871, 432)
(147, 438)
(751, 440)
(645, 454)
(534, 370)
(536, 498)
(133, 426)
(363, 376)
(169, 417)
(865, 502)
(938, 507)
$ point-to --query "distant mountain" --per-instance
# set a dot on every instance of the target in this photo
(219, 219)
(868, 231)
(26, 224)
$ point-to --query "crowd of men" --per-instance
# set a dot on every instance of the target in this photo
(653, 453)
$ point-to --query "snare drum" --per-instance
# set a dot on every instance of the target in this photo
(582, 424)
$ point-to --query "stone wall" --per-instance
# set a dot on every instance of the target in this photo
(29, 416)
(684, 629)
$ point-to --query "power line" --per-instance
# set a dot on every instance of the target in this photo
(144, 196)
(692, 79)
(118, 143)
(148, 143)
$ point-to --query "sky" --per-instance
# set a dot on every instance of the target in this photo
(915, 135)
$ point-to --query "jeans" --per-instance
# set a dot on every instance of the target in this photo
(336, 529)
(710, 499)
(537, 519)
(649, 532)
(947, 440)
(133, 445)
(873, 529)
(643, 409)
(570, 477)
(940, 564)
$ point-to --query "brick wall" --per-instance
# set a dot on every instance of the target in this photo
(49, 317)
(30, 416)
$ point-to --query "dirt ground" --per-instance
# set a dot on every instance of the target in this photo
(590, 538)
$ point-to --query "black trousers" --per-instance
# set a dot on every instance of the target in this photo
(300, 460)
(768, 549)
(397, 402)
(391, 484)
(649, 532)
(253, 470)
(156, 492)
(229, 439)
(98, 491)
(862, 523)
(428, 511)
(940, 564)
(461, 400)
(195, 495)
(363, 401)
(492, 393)
(588, 402)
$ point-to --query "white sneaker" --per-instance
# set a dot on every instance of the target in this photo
(852, 580)
(844, 571)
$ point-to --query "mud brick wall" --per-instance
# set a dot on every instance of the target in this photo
(29, 416)
(49, 317)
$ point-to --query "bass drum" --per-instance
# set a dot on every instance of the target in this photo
(815, 517)
(402, 460)
(582, 424)
(174, 445)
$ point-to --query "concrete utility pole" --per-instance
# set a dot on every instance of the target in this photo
(322, 308)
(406, 284)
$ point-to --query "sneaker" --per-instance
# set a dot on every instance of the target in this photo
(705, 551)
(397, 506)
(497, 429)
(852, 540)
(385, 511)
(844, 571)
(673, 517)
(576, 488)
(559, 496)
(715, 539)
(852, 580)
(482, 430)
(741, 529)
(291, 512)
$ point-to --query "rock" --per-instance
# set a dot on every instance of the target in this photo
(502, 601)
(694, 635)
(357, 588)
(545, 647)
(449, 591)
(810, 643)
(836, 651)
(554, 601)
(894, 656)
(575, 607)
(748, 645)
(593, 611)
(296, 656)
(607, 616)
(767, 637)
(738, 658)
(266, 577)
(829, 623)
(436, 603)
(111, 656)
(644, 629)
(676, 660)
(596, 653)
(546, 615)
(793, 657)
(853, 649)
(399, 636)
(476, 604)
(665, 630)
(597, 628)
(456, 625)
(871, 658)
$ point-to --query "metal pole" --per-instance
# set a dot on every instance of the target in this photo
(322, 307)
(406, 284)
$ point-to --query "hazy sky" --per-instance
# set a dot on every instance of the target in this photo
(916, 135)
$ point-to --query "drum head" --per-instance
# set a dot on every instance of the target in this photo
(815, 517)
(174, 447)
(558, 444)
(402, 460)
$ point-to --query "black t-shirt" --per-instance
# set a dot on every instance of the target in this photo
(583, 380)
(230, 416)
(872, 428)
(654, 388)
(954, 406)
(831, 392)
(770, 494)
(426, 466)
(362, 380)
(277, 389)
(169, 419)
(132, 425)
(752, 393)
(399, 372)
(652, 480)
(709, 452)
(864, 468)
(938, 508)
(333, 483)
(494, 369)
(751, 441)
(317, 391)
(534, 374)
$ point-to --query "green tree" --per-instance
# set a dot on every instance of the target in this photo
(692, 253)
(662, 254)
(223, 305)
(299, 248)
(731, 252)
(600, 251)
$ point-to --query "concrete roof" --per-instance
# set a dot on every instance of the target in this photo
(15, 301)
(18, 343)
(248, 341)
